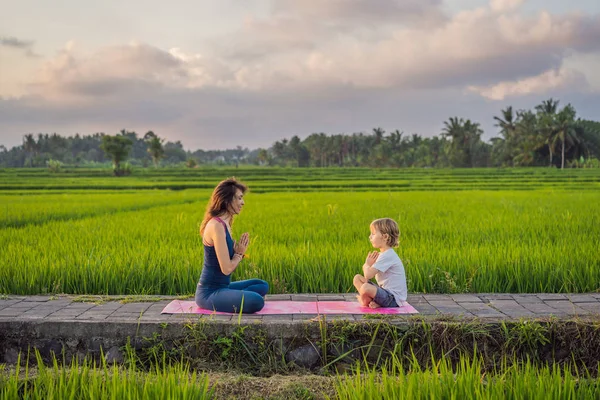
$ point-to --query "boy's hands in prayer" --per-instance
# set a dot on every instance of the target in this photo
(371, 258)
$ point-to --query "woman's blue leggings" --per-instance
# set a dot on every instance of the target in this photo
(248, 294)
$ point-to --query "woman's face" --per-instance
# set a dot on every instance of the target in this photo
(238, 202)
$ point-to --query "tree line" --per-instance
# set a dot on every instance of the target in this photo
(548, 135)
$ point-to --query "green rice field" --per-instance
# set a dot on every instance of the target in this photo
(307, 179)
(469, 380)
(507, 230)
(482, 230)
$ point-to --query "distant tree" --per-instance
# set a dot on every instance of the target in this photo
(117, 148)
(316, 145)
(465, 137)
(155, 147)
(378, 133)
(565, 130)
(174, 152)
(589, 132)
(54, 165)
(546, 127)
(281, 151)
(525, 138)
(191, 163)
(549, 106)
(149, 135)
(263, 156)
(299, 152)
(527, 144)
(502, 147)
(30, 147)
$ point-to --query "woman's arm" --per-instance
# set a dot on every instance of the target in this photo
(216, 232)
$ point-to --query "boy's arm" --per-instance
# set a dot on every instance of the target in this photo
(367, 268)
(369, 272)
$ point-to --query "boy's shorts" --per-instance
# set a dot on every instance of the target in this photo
(383, 297)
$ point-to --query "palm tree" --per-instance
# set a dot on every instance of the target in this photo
(464, 136)
(549, 106)
(395, 139)
(149, 135)
(506, 123)
(30, 146)
(472, 140)
(117, 148)
(155, 149)
(526, 138)
(546, 112)
(565, 130)
(589, 135)
(453, 130)
(263, 156)
(378, 133)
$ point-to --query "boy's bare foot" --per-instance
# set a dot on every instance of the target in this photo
(374, 305)
(364, 299)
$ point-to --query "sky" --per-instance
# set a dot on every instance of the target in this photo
(220, 74)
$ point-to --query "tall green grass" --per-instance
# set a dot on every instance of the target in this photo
(468, 381)
(477, 241)
(88, 381)
(306, 179)
(26, 209)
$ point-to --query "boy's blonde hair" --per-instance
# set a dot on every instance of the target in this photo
(388, 226)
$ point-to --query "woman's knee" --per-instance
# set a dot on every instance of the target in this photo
(263, 287)
(252, 302)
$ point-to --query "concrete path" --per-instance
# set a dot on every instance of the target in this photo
(81, 326)
(117, 309)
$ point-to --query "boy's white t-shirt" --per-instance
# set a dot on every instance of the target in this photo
(391, 275)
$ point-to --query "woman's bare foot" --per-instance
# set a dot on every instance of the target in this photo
(364, 299)
(374, 305)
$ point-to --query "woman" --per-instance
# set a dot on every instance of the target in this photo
(222, 255)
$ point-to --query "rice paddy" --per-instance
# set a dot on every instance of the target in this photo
(469, 380)
(508, 230)
(146, 241)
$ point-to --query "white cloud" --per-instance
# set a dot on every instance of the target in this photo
(548, 81)
(73, 75)
(294, 50)
(478, 46)
(313, 63)
(501, 6)
(341, 12)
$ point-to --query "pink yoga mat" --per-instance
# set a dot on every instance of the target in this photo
(294, 307)
(351, 307)
(271, 307)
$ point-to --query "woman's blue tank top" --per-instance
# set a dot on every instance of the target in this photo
(212, 277)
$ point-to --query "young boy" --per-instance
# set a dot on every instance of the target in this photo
(385, 266)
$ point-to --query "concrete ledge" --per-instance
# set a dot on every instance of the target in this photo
(63, 325)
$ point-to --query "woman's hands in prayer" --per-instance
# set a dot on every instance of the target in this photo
(241, 245)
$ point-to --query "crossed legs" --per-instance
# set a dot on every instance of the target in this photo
(366, 291)
(245, 296)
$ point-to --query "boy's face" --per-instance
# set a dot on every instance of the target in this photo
(377, 239)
